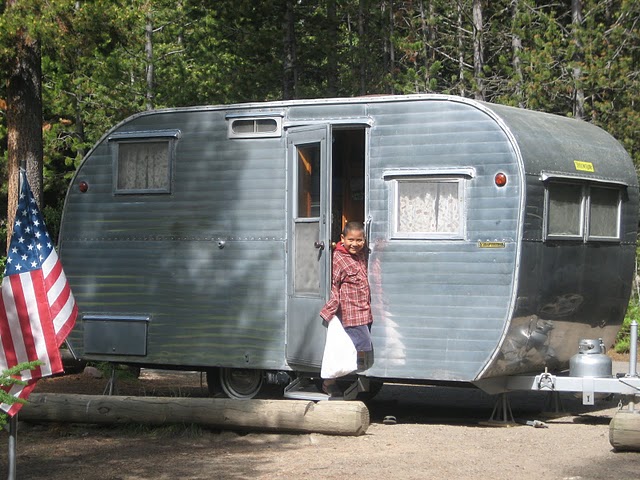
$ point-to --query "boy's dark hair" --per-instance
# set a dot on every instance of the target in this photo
(351, 227)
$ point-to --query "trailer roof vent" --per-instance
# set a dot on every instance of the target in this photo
(252, 126)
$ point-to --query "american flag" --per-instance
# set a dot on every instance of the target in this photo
(37, 308)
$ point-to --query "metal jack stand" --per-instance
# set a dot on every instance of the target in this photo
(501, 416)
(111, 384)
(553, 405)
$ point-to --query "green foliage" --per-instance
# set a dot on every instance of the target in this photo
(623, 342)
(8, 379)
(122, 372)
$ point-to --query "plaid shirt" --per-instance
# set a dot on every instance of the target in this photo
(350, 294)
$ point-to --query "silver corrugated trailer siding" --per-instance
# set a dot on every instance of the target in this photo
(441, 306)
(567, 290)
(443, 309)
(207, 305)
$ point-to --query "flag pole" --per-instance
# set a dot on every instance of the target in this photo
(13, 420)
(13, 440)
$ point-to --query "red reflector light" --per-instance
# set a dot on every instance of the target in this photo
(83, 186)
(501, 179)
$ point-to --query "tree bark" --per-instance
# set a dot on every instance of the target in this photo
(578, 59)
(478, 51)
(148, 51)
(328, 417)
(289, 64)
(361, 48)
(428, 39)
(332, 54)
(24, 121)
(516, 49)
(460, 49)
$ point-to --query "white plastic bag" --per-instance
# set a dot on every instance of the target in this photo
(340, 357)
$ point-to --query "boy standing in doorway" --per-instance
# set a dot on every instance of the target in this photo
(350, 297)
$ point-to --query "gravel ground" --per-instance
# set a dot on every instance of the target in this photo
(441, 433)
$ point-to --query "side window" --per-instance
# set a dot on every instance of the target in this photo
(582, 212)
(143, 161)
(428, 207)
(604, 214)
(254, 127)
(143, 166)
(565, 210)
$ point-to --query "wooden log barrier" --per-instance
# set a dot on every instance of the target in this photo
(624, 430)
(328, 417)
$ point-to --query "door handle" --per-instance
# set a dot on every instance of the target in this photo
(319, 245)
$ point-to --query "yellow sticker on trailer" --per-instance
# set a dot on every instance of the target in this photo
(584, 166)
(491, 244)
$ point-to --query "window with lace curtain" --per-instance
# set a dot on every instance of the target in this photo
(428, 207)
(143, 167)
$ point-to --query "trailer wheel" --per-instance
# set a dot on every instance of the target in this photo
(238, 383)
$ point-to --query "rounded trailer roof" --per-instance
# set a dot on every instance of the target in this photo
(552, 144)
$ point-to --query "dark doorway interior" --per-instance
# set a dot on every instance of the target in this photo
(348, 182)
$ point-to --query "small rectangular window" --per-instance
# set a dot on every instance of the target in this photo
(428, 207)
(143, 167)
(604, 218)
(143, 161)
(246, 127)
(565, 210)
(308, 188)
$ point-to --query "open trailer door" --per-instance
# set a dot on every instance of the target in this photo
(309, 249)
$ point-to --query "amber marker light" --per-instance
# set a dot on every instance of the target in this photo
(501, 179)
(83, 186)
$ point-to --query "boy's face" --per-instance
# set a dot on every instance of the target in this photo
(353, 241)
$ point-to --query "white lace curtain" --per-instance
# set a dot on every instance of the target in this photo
(143, 166)
(428, 207)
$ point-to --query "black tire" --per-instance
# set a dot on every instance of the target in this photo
(237, 383)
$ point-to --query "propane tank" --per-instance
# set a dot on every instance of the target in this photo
(591, 360)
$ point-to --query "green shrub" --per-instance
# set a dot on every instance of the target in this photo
(8, 379)
(623, 342)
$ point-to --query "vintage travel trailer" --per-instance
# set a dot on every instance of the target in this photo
(200, 238)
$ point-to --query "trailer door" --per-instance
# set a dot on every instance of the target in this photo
(309, 252)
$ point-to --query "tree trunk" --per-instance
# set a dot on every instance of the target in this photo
(148, 51)
(332, 54)
(24, 121)
(428, 39)
(361, 48)
(478, 51)
(329, 417)
(460, 49)
(578, 59)
(516, 49)
(289, 64)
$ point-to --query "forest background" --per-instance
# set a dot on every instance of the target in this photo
(93, 63)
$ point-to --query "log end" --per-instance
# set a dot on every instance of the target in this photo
(624, 431)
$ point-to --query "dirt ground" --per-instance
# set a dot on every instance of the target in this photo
(441, 433)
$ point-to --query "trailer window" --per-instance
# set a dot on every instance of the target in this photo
(255, 127)
(428, 208)
(565, 210)
(582, 212)
(308, 189)
(143, 167)
(604, 213)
